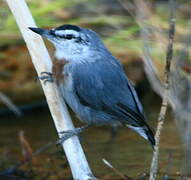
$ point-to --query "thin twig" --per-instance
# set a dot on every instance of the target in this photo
(114, 169)
(161, 117)
(168, 168)
(141, 17)
(169, 162)
(10, 170)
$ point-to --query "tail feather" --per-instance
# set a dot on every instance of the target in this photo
(150, 136)
(136, 121)
(145, 132)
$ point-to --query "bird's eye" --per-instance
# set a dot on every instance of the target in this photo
(68, 36)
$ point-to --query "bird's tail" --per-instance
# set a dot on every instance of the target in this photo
(146, 132)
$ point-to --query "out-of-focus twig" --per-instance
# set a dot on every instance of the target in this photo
(142, 16)
(161, 117)
(143, 12)
(10, 104)
(168, 168)
(27, 153)
(114, 169)
(142, 176)
(25, 147)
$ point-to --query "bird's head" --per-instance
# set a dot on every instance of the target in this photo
(72, 42)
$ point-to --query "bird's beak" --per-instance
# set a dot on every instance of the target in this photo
(43, 32)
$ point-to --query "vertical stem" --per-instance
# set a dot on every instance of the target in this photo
(42, 62)
(161, 117)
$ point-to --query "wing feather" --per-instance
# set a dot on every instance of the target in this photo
(104, 86)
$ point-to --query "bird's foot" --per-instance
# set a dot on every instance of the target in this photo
(46, 77)
(68, 134)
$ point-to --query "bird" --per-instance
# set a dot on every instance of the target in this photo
(92, 81)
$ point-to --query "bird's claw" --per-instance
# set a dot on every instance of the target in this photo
(46, 77)
(69, 133)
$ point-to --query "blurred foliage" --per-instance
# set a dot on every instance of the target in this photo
(109, 18)
(118, 28)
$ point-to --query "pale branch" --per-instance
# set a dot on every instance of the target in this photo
(42, 63)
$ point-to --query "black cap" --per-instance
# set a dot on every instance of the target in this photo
(68, 27)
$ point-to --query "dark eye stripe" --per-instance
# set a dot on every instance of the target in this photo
(52, 32)
(69, 36)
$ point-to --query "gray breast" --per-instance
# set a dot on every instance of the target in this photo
(84, 113)
(68, 92)
(67, 88)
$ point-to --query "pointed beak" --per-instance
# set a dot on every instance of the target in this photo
(43, 32)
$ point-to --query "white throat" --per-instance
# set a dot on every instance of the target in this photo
(59, 54)
(76, 55)
(66, 53)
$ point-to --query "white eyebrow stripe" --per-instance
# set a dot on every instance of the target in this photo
(64, 32)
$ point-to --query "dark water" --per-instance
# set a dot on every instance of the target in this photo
(128, 152)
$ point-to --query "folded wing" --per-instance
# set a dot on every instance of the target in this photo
(104, 86)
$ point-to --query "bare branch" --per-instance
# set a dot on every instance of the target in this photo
(42, 62)
(161, 117)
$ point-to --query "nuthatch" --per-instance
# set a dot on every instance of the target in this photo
(92, 81)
